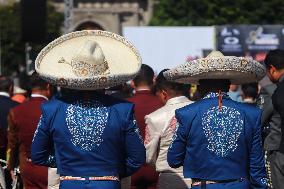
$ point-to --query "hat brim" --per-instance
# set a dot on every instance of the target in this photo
(238, 70)
(123, 60)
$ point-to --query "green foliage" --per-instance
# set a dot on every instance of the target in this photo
(217, 12)
(12, 47)
(12, 50)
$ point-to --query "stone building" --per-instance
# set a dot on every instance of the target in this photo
(110, 15)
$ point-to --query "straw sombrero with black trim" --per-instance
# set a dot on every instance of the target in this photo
(88, 60)
(238, 70)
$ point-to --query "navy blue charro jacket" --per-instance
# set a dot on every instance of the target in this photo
(219, 144)
(95, 137)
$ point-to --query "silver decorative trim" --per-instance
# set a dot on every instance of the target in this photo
(76, 34)
(243, 70)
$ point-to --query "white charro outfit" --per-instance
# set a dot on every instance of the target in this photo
(160, 127)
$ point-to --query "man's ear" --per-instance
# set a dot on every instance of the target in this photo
(165, 94)
(154, 79)
(272, 69)
(132, 84)
(49, 90)
(11, 90)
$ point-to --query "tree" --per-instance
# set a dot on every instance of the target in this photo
(217, 12)
(12, 47)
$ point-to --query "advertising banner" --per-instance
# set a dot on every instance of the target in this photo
(249, 40)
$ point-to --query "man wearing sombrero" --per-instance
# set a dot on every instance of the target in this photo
(92, 138)
(218, 140)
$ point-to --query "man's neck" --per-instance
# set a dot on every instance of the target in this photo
(281, 78)
(142, 88)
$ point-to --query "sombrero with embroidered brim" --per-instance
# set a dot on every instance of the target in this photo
(238, 70)
(88, 60)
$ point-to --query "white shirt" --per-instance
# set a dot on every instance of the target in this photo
(2, 93)
(39, 96)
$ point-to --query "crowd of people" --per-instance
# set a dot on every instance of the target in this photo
(83, 125)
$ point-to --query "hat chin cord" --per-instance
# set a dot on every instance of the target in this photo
(220, 100)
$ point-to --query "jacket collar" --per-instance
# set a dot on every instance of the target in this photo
(144, 91)
(281, 78)
(215, 95)
(177, 100)
(2, 93)
(39, 96)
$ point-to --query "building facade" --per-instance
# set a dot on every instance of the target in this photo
(109, 15)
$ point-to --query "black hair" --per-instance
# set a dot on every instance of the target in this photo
(177, 88)
(145, 76)
(5, 83)
(250, 90)
(213, 85)
(35, 82)
(275, 58)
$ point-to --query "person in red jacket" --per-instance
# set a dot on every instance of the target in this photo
(22, 123)
(145, 103)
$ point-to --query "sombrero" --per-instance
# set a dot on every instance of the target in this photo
(88, 60)
(238, 70)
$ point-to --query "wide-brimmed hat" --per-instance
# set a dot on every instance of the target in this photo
(88, 60)
(238, 70)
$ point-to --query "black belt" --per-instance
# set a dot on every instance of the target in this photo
(203, 183)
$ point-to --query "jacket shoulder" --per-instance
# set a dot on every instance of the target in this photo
(117, 102)
(8, 103)
(157, 117)
(190, 107)
(247, 108)
(157, 112)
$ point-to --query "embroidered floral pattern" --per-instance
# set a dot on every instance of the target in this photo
(175, 134)
(38, 125)
(222, 129)
(147, 135)
(137, 131)
(237, 69)
(86, 121)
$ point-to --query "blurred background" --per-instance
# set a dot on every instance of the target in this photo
(166, 32)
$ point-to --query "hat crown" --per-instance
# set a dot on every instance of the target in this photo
(91, 53)
(90, 60)
(215, 54)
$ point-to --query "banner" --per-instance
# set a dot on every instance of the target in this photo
(249, 40)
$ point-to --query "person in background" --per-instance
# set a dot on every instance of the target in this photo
(122, 91)
(160, 129)
(92, 138)
(274, 62)
(22, 121)
(6, 91)
(235, 93)
(249, 93)
(19, 95)
(218, 140)
(271, 130)
(145, 103)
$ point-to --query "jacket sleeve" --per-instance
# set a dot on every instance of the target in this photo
(42, 145)
(267, 108)
(177, 149)
(134, 145)
(152, 139)
(257, 166)
(13, 142)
